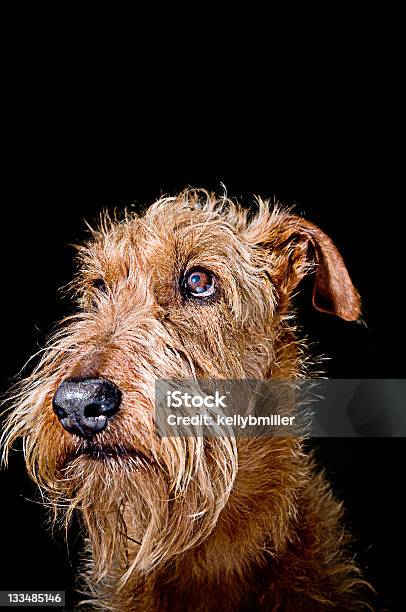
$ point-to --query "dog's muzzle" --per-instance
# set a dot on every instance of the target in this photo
(85, 405)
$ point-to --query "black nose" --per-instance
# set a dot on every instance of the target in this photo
(84, 405)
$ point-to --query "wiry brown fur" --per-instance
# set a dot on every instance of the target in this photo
(192, 524)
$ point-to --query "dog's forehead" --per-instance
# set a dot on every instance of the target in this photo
(175, 232)
(173, 235)
(185, 218)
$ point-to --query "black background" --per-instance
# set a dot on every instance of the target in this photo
(333, 160)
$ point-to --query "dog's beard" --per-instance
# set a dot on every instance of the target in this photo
(138, 508)
(142, 503)
(140, 512)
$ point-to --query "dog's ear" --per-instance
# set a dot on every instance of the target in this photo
(296, 248)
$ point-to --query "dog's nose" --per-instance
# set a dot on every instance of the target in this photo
(84, 405)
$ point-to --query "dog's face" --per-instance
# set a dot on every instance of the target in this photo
(192, 289)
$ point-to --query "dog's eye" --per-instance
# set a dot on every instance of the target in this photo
(100, 285)
(199, 283)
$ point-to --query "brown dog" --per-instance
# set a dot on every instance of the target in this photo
(195, 288)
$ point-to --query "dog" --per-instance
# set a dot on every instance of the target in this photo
(196, 287)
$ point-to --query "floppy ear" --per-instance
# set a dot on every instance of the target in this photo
(297, 248)
(333, 290)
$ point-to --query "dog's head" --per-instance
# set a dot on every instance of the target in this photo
(196, 287)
